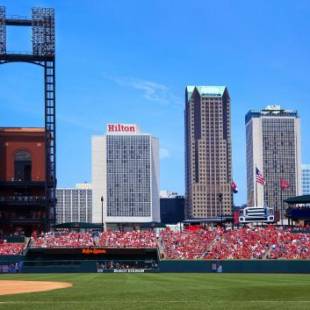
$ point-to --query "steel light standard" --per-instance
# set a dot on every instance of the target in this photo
(281, 206)
(220, 200)
(102, 228)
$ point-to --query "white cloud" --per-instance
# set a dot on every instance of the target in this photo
(164, 153)
(151, 91)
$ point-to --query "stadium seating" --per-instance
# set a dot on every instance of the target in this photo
(7, 248)
(129, 239)
(63, 240)
(290, 246)
(243, 243)
(203, 243)
(187, 244)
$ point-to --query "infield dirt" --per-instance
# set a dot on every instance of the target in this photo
(9, 287)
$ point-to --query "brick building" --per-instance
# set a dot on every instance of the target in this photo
(23, 202)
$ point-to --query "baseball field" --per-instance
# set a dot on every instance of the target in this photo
(157, 291)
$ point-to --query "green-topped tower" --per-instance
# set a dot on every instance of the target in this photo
(208, 168)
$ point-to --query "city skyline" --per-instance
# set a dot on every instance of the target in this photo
(146, 69)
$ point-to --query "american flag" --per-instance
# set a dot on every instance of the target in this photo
(234, 187)
(259, 177)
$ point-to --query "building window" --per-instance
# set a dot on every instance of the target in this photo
(22, 166)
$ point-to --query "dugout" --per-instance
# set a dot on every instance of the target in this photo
(90, 259)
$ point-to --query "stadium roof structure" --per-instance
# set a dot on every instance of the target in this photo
(304, 199)
(224, 218)
(152, 225)
(78, 225)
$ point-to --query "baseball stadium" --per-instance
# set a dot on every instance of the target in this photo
(257, 268)
(222, 263)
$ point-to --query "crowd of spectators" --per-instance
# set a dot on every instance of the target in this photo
(269, 242)
(290, 246)
(186, 244)
(128, 239)
(113, 239)
(63, 240)
(243, 243)
(8, 248)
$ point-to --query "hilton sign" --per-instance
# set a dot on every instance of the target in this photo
(122, 128)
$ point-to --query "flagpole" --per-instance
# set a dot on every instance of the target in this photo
(281, 206)
(256, 199)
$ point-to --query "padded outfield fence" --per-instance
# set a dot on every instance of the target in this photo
(148, 264)
(236, 266)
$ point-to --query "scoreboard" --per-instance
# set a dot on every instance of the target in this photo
(91, 253)
(256, 214)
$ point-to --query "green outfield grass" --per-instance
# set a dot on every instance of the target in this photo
(166, 291)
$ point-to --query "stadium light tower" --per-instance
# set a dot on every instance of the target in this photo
(102, 226)
(42, 23)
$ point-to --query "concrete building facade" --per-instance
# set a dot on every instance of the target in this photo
(273, 147)
(125, 176)
(208, 162)
(305, 169)
(74, 204)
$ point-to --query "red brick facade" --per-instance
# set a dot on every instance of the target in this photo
(13, 140)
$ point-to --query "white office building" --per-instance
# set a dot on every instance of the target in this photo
(273, 147)
(74, 204)
(125, 176)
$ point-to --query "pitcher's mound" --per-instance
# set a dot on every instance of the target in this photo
(8, 287)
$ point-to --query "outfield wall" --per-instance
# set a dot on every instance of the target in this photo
(11, 263)
(11, 259)
(236, 266)
(201, 266)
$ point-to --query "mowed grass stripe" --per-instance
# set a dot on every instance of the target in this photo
(165, 291)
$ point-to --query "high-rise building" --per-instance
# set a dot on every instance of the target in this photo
(207, 152)
(305, 179)
(74, 204)
(273, 154)
(125, 176)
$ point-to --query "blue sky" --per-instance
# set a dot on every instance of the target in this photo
(129, 61)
